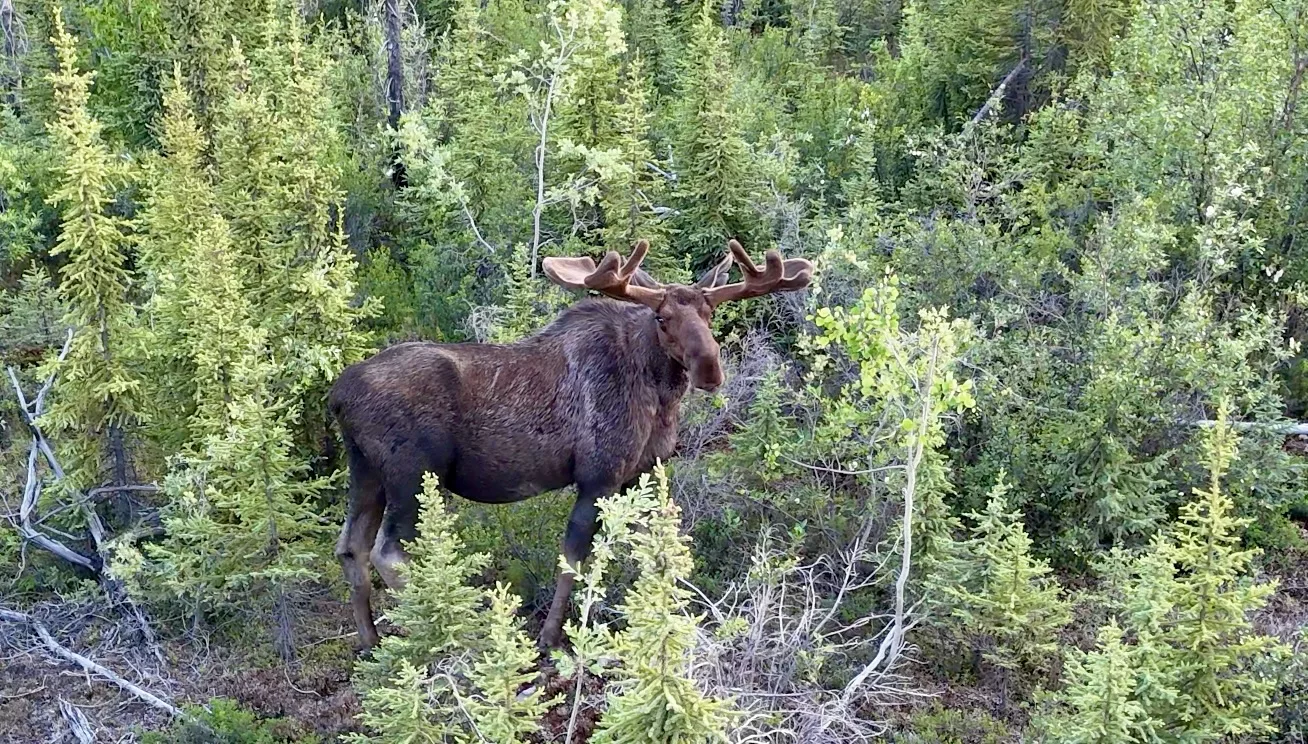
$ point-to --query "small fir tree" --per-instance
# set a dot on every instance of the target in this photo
(99, 398)
(505, 666)
(462, 657)
(1002, 600)
(1207, 642)
(654, 700)
(31, 319)
(243, 530)
(712, 157)
(184, 245)
(1101, 695)
(1201, 673)
(632, 190)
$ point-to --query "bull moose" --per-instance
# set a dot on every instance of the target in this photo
(591, 400)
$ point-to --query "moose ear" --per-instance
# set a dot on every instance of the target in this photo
(716, 276)
(568, 272)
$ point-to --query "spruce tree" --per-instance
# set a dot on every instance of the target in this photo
(652, 34)
(244, 531)
(31, 318)
(1002, 600)
(1208, 642)
(178, 220)
(712, 158)
(462, 658)
(1200, 672)
(279, 157)
(629, 196)
(99, 401)
(653, 698)
(1101, 695)
(483, 132)
(505, 667)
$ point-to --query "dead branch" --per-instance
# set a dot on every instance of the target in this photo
(95, 526)
(998, 94)
(89, 665)
(31, 493)
(77, 722)
(1288, 430)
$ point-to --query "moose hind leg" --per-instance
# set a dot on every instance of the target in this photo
(398, 526)
(367, 501)
(577, 541)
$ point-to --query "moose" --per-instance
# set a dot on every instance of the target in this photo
(592, 399)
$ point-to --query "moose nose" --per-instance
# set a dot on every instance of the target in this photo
(709, 379)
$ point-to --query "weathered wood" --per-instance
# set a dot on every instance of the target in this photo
(89, 665)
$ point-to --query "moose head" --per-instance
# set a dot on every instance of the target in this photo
(683, 313)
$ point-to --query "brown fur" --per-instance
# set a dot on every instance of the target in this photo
(593, 400)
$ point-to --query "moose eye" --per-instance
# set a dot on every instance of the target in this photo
(660, 319)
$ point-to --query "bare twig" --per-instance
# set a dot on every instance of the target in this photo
(77, 722)
(998, 94)
(1285, 429)
(95, 526)
(88, 665)
(31, 494)
(472, 223)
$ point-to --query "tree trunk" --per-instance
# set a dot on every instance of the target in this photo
(394, 24)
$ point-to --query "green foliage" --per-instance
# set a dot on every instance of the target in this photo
(1194, 669)
(224, 721)
(31, 319)
(631, 190)
(1001, 602)
(436, 604)
(891, 414)
(713, 160)
(652, 698)
(1101, 693)
(244, 531)
(462, 658)
(1119, 226)
(940, 725)
(100, 399)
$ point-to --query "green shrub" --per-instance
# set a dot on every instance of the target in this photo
(224, 721)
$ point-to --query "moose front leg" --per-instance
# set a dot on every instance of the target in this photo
(583, 523)
(582, 526)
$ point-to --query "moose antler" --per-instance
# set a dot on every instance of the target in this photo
(778, 275)
(613, 277)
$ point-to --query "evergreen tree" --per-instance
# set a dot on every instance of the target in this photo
(1101, 695)
(462, 656)
(244, 531)
(278, 154)
(503, 670)
(1195, 670)
(652, 34)
(629, 196)
(179, 220)
(1207, 643)
(31, 318)
(483, 132)
(655, 700)
(98, 403)
(712, 159)
(529, 302)
(1002, 601)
